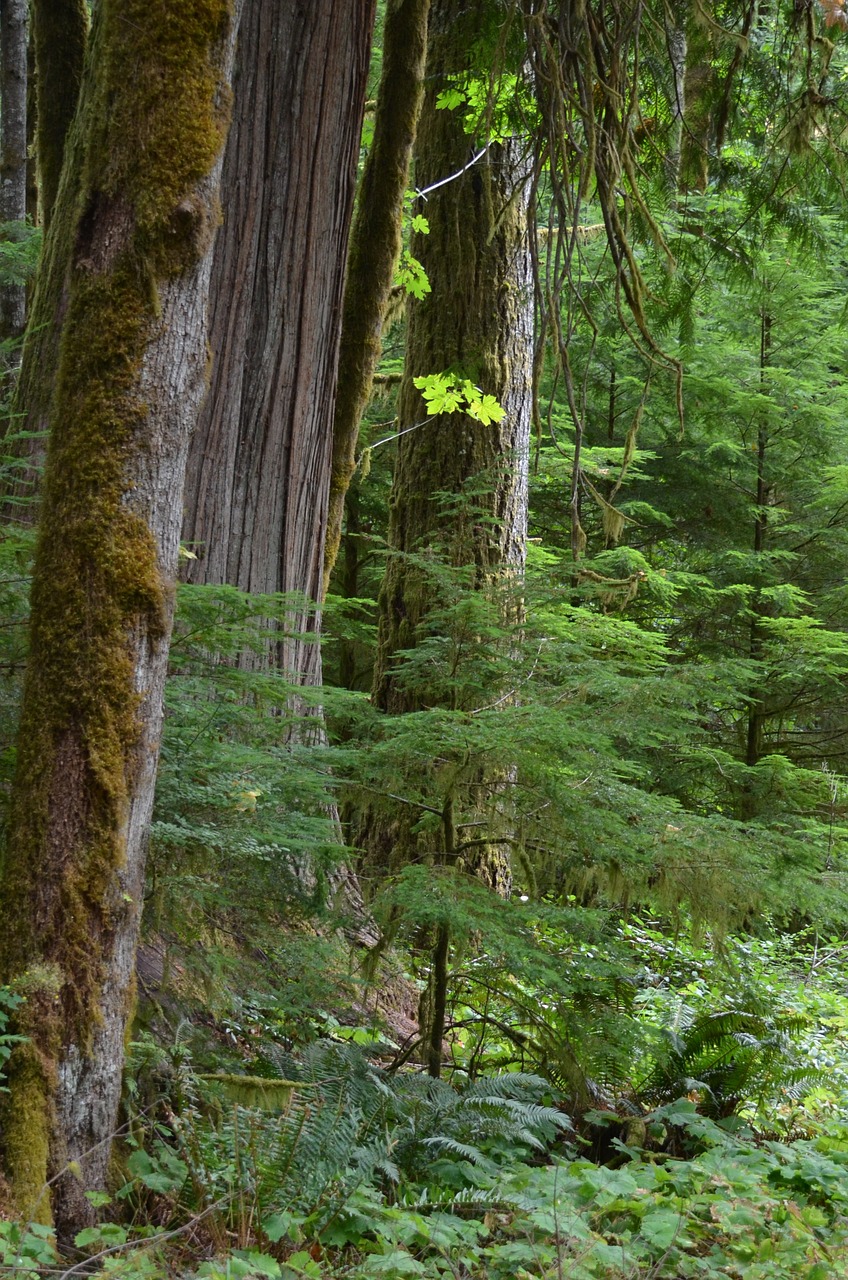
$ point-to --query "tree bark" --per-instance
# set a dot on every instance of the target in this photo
(260, 460)
(375, 243)
(13, 148)
(136, 228)
(60, 28)
(477, 319)
(478, 323)
(60, 34)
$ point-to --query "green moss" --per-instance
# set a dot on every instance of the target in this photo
(149, 129)
(31, 1076)
(160, 137)
(26, 1133)
(96, 579)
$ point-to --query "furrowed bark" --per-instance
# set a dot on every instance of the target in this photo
(375, 243)
(259, 469)
(478, 319)
(131, 375)
(477, 322)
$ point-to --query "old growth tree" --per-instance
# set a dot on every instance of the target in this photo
(256, 496)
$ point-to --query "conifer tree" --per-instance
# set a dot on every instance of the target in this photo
(259, 468)
(472, 329)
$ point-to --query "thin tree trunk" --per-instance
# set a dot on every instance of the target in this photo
(259, 468)
(375, 243)
(60, 28)
(60, 34)
(757, 711)
(676, 41)
(13, 148)
(132, 370)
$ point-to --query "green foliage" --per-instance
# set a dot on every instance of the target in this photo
(647, 1041)
(9, 1002)
(447, 393)
(728, 1058)
(26, 1249)
(20, 247)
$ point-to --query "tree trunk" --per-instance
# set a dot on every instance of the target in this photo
(260, 460)
(757, 708)
(60, 29)
(478, 323)
(60, 33)
(477, 319)
(131, 374)
(375, 243)
(675, 34)
(13, 148)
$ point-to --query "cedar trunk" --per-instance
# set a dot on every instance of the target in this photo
(259, 468)
(478, 320)
(136, 229)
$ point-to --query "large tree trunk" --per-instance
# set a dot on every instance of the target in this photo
(477, 322)
(259, 469)
(375, 243)
(477, 319)
(136, 230)
(13, 147)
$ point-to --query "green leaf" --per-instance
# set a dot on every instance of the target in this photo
(163, 1172)
(108, 1233)
(660, 1228)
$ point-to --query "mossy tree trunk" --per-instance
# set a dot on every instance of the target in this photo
(136, 227)
(477, 322)
(375, 242)
(256, 497)
(13, 146)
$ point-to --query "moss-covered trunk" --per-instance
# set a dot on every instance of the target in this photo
(256, 496)
(477, 323)
(135, 225)
(60, 28)
(375, 242)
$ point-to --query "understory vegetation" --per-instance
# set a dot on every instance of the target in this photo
(535, 970)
